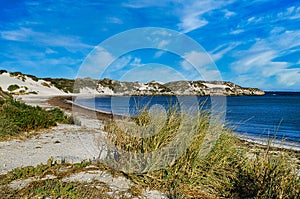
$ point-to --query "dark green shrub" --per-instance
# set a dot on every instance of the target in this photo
(13, 87)
(3, 71)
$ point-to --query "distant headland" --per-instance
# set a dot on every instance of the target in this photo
(18, 83)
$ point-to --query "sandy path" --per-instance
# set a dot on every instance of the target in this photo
(69, 142)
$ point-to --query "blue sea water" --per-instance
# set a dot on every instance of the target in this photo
(274, 115)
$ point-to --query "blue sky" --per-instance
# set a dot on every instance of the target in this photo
(253, 43)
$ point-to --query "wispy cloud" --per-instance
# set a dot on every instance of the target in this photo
(236, 32)
(114, 20)
(119, 66)
(147, 3)
(192, 14)
(96, 63)
(259, 60)
(289, 77)
(149, 72)
(228, 13)
(159, 53)
(71, 43)
(222, 50)
(38, 64)
(291, 13)
(202, 64)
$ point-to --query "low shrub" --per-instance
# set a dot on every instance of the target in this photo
(13, 87)
(17, 117)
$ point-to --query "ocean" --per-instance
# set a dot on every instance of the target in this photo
(274, 115)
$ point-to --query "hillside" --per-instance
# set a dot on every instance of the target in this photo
(20, 84)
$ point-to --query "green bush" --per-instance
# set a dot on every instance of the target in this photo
(17, 117)
(13, 87)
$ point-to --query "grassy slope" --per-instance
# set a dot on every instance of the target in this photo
(17, 117)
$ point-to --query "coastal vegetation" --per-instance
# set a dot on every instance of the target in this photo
(229, 170)
(17, 118)
(13, 87)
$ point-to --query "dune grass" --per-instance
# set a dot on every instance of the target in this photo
(228, 170)
(17, 117)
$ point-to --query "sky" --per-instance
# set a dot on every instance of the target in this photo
(251, 43)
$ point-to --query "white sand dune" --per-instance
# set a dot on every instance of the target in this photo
(28, 85)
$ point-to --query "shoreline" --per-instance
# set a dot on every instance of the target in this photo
(272, 143)
(66, 103)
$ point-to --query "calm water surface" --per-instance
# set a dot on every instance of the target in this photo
(274, 114)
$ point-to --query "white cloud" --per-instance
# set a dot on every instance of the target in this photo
(160, 39)
(251, 19)
(191, 16)
(96, 63)
(258, 61)
(159, 53)
(228, 13)
(148, 3)
(71, 43)
(221, 50)
(163, 43)
(202, 63)
(16, 35)
(43, 64)
(114, 20)
(136, 62)
(236, 32)
(149, 72)
(290, 13)
(194, 58)
(191, 22)
(191, 13)
(50, 51)
(121, 63)
(289, 77)
(162, 33)
(204, 59)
